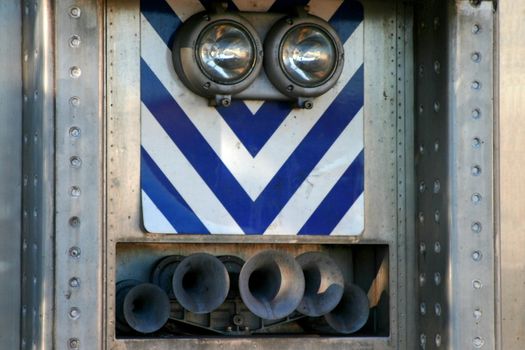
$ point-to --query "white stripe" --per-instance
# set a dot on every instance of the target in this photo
(254, 5)
(253, 105)
(321, 180)
(353, 223)
(154, 220)
(324, 8)
(184, 9)
(253, 174)
(184, 177)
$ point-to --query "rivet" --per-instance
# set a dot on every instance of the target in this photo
(74, 131)
(475, 170)
(437, 67)
(437, 186)
(438, 340)
(75, 12)
(422, 187)
(421, 149)
(476, 113)
(437, 278)
(74, 101)
(423, 308)
(74, 282)
(421, 109)
(24, 244)
(477, 284)
(26, 56)
(75, 162)
(476, 227)
(25, 98)
(476, 142)
(477, 314)
(421, 70)
(35, 181)
(74, 313)
(35, 212)
(436, 146)
(421, 217)
(289, 88)
(74, 252)
(437, 309)
(476, 198)
(74, 343)
(478, 342)
(75, 72)
(476, 57)
(75, 191)
(207, 85)
(422, 248)
(26, 139)
(437, 216)
(437, 247)
(422, 279)
(437, 106)
(476, 28)
(74, 41)
(476, 255)
(422, 340)
(35, 95)
(74, 221)
(476, 85)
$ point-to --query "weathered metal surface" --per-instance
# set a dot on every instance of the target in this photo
(10, 172)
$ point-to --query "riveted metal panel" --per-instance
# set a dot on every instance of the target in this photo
(388, 135)
(37, 176)
(10, 172)
(79, 175)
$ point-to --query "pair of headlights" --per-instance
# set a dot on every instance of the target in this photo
(217, 55)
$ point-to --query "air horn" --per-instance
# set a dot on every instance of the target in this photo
(142, 307)
(324, 284)
(351, 313)
(201, 283)
(271, 284)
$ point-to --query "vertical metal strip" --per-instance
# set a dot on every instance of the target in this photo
(472, 289)
(37, 175)
(79, 174)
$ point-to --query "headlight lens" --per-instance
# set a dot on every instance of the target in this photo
(308, 55)
(226, 52)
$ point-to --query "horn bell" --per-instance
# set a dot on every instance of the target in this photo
(142, 307)
(201, 283)
(351, 314)
(271, 284)
(324, 284)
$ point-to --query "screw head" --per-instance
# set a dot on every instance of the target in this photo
(74, 343)
(75, 12)
(74, 41)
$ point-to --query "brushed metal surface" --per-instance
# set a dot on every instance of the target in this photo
(511, 201)
(10, 172)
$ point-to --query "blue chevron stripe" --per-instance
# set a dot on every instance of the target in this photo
(252, 130)
(167, 198)
(338, 201)
(253, 217)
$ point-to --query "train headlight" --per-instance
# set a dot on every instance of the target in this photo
(303, 56)
(226, 52)
(217, 54)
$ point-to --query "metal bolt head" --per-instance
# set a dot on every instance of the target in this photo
(476, 198)
(74, 343)
(437, 186)
(422, 248)
(437, 278)
(475, 170)
(476, 85)
(437, 216)
(476, 28)
(421, 217)
(437, 247)
(476, 142)
(226, 102)
(422, 187)
(74, 41)
(74, 282)
(437, 309)
(476, 255)
(75, 12)
(75, 162)
(75, 252)
(437, 67)
(75, 72)
(308, 105)
(437, 106)
(475, 56)
(74, 101)
(478, 342)
(422, 340)
(423, 309)
(476, 113)
(477, 284)
(74, 221)
(75, 191)
(438, 340)
(74, 313)
(422, 279)
(477, 314)
(476, 227)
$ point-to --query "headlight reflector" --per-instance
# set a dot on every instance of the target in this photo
(308, 55)
(225, 53)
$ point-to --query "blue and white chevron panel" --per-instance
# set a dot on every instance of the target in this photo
(255, 167)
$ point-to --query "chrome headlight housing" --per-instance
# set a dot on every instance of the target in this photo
(303, 56)
(217, 54)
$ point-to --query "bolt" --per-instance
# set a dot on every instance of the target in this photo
(478, 342)
(422, 279)
(476, 198)
(74, 221)
(437, 186)
(477, 314)
(423, 308)
(74, 12)
(74, 41)
(476, 255)
(289, 88)
(75, 72)
(477, 284)
(422, 248)
(437, 67)
(74, 313)
(74, 131)
(476, 113)
(476, 142)
(74, 252)
(308, 104)
(437, 106)
(476, 56)
(423, 340)
(421, 217)
(289, 21)
(476, 170)
(437, 216)
(437, 309)
(438, 340)
(74, 101)
(422, 187)
(74, 282)
(476, 28)
(226, 102)
(437, 278)
(476, 85)
(74, 343)
(207, 85)
(437, 247)
(476, 227)
(436, 146)
(75, 162)
(75, 191)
